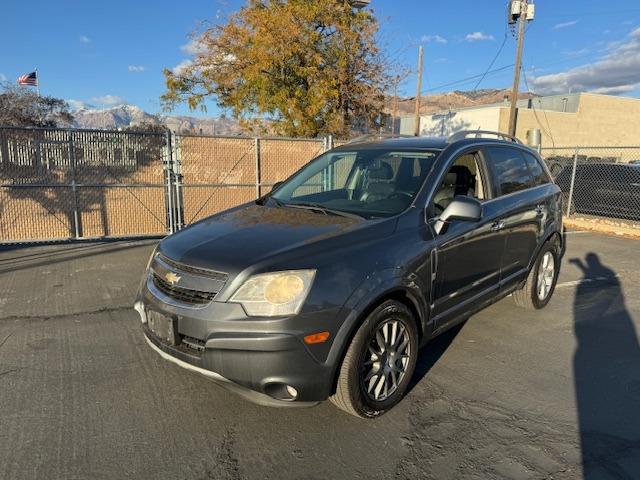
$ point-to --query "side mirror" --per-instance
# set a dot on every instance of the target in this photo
(276, 185)
(465, 209)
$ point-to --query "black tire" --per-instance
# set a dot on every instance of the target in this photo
(528, 296)
(351, 393)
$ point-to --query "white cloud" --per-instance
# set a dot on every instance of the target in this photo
(182, 67)
(559, 26)
(136, 68)
(84, 39)
(194, 47)
(3, 78)
(478, 37)
(433, 39)
(576, 53)
(616, 72)
(77, 104)
(109, 100)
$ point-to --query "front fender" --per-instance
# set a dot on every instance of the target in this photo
(374, 289)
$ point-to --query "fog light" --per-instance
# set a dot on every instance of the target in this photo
(292, 392)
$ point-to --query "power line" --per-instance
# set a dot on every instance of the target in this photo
(504, 41)
(468, 79)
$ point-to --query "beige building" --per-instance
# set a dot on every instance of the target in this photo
(581, 119)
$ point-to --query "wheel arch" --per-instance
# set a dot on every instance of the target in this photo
(399, 293)
(550, 236)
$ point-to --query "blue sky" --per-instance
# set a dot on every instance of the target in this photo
(105, 53)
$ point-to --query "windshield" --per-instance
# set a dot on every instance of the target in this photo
(369, 183)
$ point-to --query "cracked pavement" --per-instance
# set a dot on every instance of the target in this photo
(510, 394)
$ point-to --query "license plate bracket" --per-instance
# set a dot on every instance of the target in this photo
(164, 327)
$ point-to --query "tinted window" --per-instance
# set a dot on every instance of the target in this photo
(537, 172)
(509, 170)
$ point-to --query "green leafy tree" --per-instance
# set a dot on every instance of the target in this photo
(20, 107)
(313, 67)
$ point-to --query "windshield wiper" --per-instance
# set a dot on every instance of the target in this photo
(321, 208)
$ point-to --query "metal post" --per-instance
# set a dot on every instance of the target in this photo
(416, 116)
(177, 176)
(573, 179)
(168, 166)
(256, 146)
(516, 77)
(74, 191)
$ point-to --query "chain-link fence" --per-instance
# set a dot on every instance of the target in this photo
(217, 173)
(60, 184)
(598, 181)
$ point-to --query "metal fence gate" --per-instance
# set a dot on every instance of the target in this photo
(59, 184)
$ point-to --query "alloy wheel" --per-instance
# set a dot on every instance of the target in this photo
(546, 273)
(385, 360)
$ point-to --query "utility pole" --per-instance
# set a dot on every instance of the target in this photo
(394, 112)
(416, 121)
(523, 11)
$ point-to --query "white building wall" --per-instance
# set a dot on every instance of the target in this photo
(443, 124)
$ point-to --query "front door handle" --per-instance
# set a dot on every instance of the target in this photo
(497, 225)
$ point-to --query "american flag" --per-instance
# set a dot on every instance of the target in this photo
(28, 79)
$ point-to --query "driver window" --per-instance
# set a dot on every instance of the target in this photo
(463, 178)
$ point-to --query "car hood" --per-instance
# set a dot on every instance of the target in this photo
(248, 235)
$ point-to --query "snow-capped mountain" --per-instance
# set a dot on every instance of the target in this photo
(124, 116)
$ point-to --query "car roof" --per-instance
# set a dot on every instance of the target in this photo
(420, 143)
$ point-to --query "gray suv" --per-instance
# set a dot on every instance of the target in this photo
(327, 287)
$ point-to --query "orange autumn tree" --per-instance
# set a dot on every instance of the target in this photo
(311, 66)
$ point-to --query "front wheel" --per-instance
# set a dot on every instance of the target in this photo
(379, 362)
(541, 282)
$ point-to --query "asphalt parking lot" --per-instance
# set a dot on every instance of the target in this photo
(510, 395)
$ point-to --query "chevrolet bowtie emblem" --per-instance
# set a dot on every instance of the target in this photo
(172, 278)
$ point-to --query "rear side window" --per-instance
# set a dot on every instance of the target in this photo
(509, 170)
(537, 172)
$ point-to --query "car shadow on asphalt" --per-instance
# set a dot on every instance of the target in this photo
(431, 353)
(607, 375)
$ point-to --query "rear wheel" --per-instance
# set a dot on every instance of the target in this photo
(379, 362)
(541, 282)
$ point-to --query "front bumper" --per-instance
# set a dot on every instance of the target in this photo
(254, 357)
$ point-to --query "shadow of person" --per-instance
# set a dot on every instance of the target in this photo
(607, 375)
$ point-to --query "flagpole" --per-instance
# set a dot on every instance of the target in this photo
(37, 82)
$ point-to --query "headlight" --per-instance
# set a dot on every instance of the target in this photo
(272, 294)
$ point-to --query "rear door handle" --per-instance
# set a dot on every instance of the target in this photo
(497, 225)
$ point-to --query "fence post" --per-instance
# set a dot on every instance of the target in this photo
(573, 179)
(258, 179)
(168, 166)
(177, 171)
(74, 190)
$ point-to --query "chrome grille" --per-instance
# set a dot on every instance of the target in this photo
(194, 297)
(195, 270)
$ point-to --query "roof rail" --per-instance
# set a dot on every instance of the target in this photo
(371, 136)
(477, 134)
